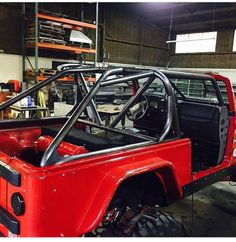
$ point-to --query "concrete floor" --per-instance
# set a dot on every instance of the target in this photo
(214, 211)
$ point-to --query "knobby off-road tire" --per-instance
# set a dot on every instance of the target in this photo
(154, 223)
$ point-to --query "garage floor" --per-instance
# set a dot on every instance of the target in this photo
(214, 211)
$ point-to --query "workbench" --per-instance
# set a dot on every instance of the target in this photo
(29, 112)
(108, 110)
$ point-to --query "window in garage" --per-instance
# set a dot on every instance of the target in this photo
(196, 42)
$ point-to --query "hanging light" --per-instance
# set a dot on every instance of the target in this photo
(187, 40)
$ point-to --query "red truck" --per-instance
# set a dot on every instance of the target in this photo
(74, 176)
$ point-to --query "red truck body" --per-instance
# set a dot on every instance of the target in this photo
(71, 199)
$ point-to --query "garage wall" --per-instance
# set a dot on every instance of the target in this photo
(222, 58)
(10, 28)
(130, 39)
(11, 66)
(123, 37)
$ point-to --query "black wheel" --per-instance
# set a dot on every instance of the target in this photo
(154, 223)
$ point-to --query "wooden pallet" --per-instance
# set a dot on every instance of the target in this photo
(47, 72)
(81, 45)
(48, 28)
(31, 41)
(31, 31)
(51, 35)
(51, 23)
(51, 41)
(45, 35)
(51, 29)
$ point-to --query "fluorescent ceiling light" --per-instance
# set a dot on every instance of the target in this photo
(187, 40)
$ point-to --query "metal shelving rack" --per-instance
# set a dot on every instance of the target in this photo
(68, 23)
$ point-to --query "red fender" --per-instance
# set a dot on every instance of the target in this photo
(105, 192)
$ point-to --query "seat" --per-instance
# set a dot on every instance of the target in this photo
(206, 125)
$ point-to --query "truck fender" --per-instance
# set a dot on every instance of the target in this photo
(94, 213)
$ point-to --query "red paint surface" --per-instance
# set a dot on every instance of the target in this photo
(64, 148)
(70, 199)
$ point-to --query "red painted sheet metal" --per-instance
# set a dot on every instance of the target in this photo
(70, 199)
(64, 148)
(12, 142)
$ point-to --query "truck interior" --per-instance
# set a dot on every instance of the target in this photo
(201, 113)
(203, 118)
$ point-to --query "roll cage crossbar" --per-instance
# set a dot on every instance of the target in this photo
(128, 74)
(194, 76)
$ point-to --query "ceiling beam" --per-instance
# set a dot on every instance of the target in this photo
(217, 18)
(205, 28)
(205, 25)
(159, 19)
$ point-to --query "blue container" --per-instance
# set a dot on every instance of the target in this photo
(29, 101)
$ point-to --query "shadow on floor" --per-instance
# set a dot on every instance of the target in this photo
(214, 211)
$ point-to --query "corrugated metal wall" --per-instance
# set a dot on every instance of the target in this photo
(10, 29)
(129, 39)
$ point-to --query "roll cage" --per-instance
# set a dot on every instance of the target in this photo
(111, 77)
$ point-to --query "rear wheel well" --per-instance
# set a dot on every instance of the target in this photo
(144, 189)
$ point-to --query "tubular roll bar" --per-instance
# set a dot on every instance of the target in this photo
(196, 76)
(101, 82)
(86, 89)
(73, 118)
(140, 92)
(131, 74)
(44, 83)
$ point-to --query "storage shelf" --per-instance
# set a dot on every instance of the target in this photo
(56, 46)
(66, 21)
(63, 48)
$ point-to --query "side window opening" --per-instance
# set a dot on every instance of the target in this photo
(196, 89)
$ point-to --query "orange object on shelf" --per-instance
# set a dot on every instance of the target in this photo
(16, 84)
(4, 114)
(90, 79)
(40, 78)
(3, 96)
(66, 21)
(68, 26)
(63, 48)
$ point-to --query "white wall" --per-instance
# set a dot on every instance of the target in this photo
(11, 66)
